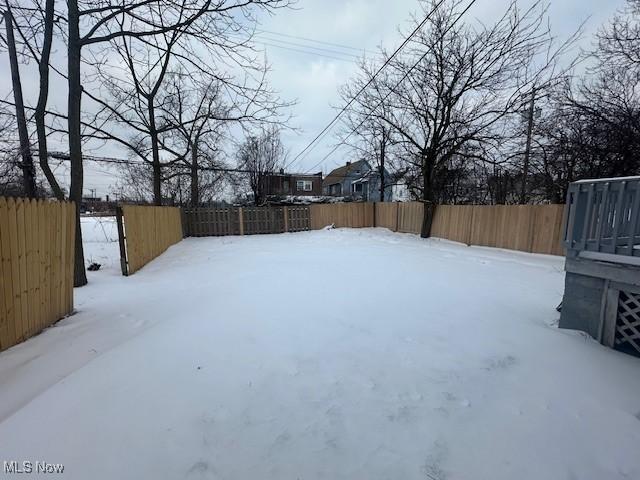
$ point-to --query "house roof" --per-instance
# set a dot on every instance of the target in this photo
(339, 174)
(299, 175)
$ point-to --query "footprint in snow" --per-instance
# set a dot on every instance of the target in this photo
(501, 363)
(202, 469)
(432, 467)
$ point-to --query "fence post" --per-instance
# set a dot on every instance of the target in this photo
(121, 241)
(397, 216)
(241, 220)
(285, 211)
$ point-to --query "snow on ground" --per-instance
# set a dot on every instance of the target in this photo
(338, 354)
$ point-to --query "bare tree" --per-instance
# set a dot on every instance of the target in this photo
(93, 23)
(200, 122)
(619, 41)
(364, 127)
(592, 127)
(28, 171)
(457, 84)
(259, 156)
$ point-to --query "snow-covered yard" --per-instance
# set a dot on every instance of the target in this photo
(338, 354)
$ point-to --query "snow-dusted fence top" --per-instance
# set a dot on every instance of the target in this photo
(36, 267)
(145, 232)
(604, 216)
(215, 222)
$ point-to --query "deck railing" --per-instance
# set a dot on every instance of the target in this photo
(604, 216)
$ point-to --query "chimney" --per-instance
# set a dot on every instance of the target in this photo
(348, 163)
(282, 171)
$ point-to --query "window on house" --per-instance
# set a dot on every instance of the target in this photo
(285, 186)
(304, 185)
(357, 187)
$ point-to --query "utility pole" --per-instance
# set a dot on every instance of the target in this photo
(28, 172)
(383, 145)
(527, 151)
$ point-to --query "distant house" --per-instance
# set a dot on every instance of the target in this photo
(358, 181)
(283, 184)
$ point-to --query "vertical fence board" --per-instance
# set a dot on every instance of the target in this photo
(22, 266)
(527, 228)
(6, 288)
(33, 267)
(148, 232)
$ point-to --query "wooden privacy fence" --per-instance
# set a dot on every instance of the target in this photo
(528, 228)
(400, 217)
(36, 268)
(145, 232)
(351, 215)
(214, 222)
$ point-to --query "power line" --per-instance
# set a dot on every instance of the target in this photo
(339, 45)
(367, 116)
(317, 54)
(353, 99)
(311, 49)
(123, 161)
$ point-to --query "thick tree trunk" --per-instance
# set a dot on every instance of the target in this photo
(428, 197)
(28, 171)
(155, 155)
(75, 135)
(427, 220)
(39, 114)
(195, 187)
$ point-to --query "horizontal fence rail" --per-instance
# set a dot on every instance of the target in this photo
(36, 269)
(213, 222)
(604, 216)
(145, 232)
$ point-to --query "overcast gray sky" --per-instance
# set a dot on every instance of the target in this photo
(311, 72)
(313, 80)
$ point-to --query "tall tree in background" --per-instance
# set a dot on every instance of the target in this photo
(34, 25)
(364, 127)
(261, 155)
(456, 85)
(198, 115)
(591, 125)
(28, 170)
(91, 24)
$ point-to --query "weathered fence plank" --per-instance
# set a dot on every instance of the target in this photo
(36, 266)
(213, 221)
